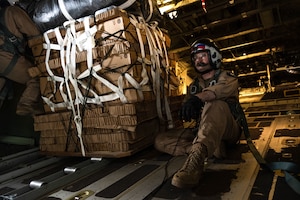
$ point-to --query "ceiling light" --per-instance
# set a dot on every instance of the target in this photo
(166, 8)
(162, 2)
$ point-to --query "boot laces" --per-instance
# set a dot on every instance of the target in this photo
(194, 162)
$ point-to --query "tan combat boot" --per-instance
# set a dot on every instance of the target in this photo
(191, 172)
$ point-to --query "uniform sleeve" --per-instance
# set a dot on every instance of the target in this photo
(193, 89)
(227, 86)
(19, 23)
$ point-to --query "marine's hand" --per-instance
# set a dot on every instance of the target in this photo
(191, 109)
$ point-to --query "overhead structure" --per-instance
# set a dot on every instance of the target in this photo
(251, 34)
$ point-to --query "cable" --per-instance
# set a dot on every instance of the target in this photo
(168, 162)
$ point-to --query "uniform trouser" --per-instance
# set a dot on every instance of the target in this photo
(217, 125)
(19, 73)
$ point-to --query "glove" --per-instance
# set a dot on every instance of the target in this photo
(191, 109)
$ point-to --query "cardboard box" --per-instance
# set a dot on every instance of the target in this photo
(117, 77)
(98, 143)
(119, 29)
(112, 117)
(48, 91)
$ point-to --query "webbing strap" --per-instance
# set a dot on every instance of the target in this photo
(11, 65)
(157, 49)
(288, 168)
(67, 46)
(126, 4)
(12, 39)
(156, 52)
(64, 10)
(69, 84)
(150, 11)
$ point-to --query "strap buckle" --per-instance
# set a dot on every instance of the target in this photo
(13, 39)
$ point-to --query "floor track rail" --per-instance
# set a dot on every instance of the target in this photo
(48, 182)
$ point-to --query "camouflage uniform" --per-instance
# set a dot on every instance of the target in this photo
(20, 24)
(217, 124)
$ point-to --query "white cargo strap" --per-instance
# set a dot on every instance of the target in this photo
(155, 38)
(126, 4)
(61, 42)
(96, 98)
(70, 75)
(67, 47)
(118, 90)
(155, 68)
(144, 61)
(70, 84)
(163, 52)
(63, 58)
(64, 11)
(150, 11)
(83, 41)
(49, 46)
(103, 98)
(164, 49)
(130, 2)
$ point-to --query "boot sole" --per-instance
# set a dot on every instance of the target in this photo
(179, 184)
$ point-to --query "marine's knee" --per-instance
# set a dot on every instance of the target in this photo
(216, 107)
(216, 104)
(174, 142)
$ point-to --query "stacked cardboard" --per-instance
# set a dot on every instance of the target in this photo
(112, 131)
(116, 49)
(101, 79)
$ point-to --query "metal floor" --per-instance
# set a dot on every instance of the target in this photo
(274, 128)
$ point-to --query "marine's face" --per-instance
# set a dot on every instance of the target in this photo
(201, 61)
